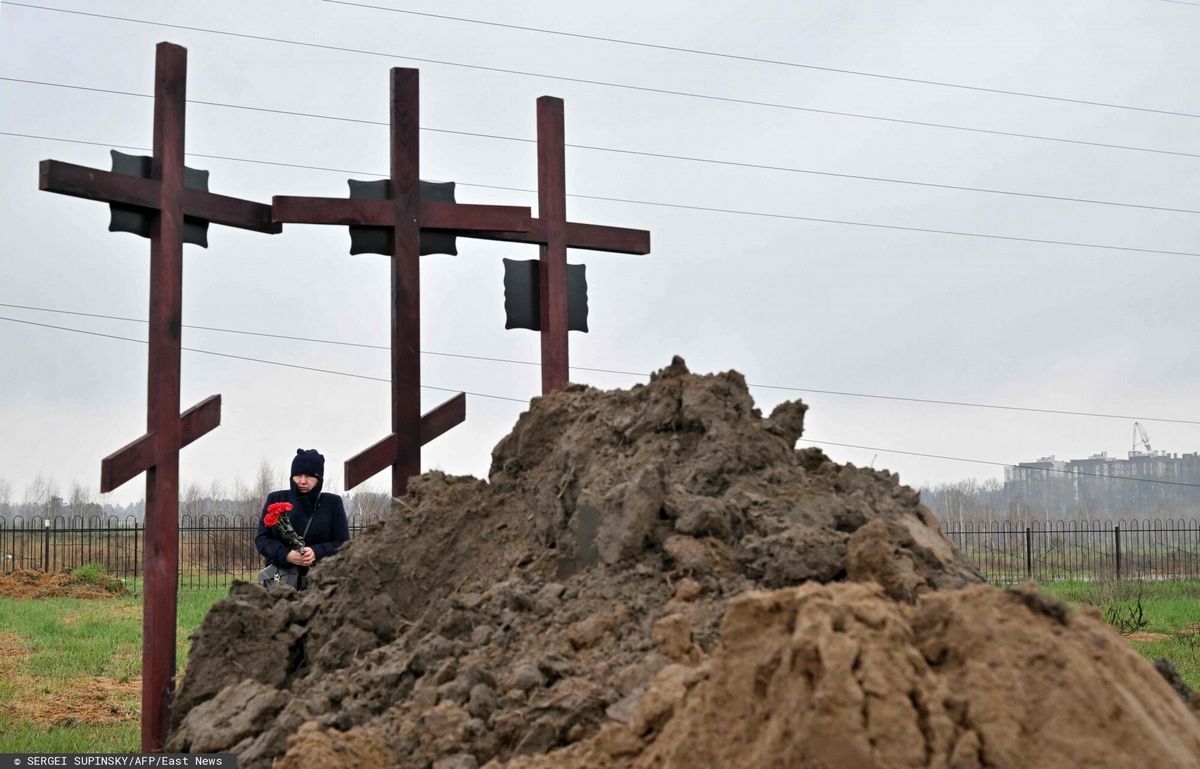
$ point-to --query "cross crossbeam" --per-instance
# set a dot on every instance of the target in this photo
(405, 216)
(379, 456)
(130, 460)
(554, 235)
(111, 187)
(165, 200)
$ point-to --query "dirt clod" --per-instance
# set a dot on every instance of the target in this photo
(656, 577)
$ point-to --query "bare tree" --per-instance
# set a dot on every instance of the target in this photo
(266, 481)
(216, 490)
(41, 498)
(243, 503)
(248, 500)
(5, 497)
(192, 504)
(370, 503)
(81, 501)
(214, 500)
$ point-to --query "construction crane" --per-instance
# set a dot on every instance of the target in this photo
(1140, 435)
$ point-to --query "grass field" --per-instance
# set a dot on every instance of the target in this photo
(1168, 624)
(70, 670)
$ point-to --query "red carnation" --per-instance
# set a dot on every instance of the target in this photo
(277, 517)
(274, 510)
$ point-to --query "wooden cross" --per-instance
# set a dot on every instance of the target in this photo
(555, 235)
(165, 202)
(405, 215)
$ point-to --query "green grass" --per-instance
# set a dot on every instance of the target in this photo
(69, 637)
(1168, 608)
(69, 640)
(28, 737)
(96, 574)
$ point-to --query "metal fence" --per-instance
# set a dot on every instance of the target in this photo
(1048, 551)
(213, 550)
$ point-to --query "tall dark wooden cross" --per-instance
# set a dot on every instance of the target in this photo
(550, 282)
(396, 210)
(161, 199)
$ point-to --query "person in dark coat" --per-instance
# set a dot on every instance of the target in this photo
(319, 518)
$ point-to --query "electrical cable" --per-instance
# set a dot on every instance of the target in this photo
(680, 206)
(261, 360)
(777, 62)
(626, 86)
(906, 399)
(641, 153)
(1004, 464)
(521, 401)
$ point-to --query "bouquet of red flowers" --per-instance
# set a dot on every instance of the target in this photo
(277, 517)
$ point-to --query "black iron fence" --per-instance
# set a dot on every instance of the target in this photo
(213, 550)
(1048, 551)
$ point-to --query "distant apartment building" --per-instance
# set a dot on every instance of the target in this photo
(1143, 483)
(1035, 472)
(1101, 468)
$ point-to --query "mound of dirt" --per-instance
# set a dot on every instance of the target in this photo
(840, 677)
(592, 600)
(30, 584)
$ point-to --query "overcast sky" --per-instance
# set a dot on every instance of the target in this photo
(788, 302)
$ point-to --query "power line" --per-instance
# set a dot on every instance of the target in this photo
(228, 105)
(969, 404)
(777, 62)
(606, 84)
(1004, 464)
(863, 177)
(906, 399)
(680, 206)
(638, 153)
(261, 360)
(231, 158)
(523, 402)
(198, 328)
(875, 225)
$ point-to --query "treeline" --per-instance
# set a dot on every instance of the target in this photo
(1065, 499)
(44, 498)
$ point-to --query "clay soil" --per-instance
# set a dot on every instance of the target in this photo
(655, 577)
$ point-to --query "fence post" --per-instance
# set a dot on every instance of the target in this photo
(1028, 554)
(46, 545)
(1117, 541)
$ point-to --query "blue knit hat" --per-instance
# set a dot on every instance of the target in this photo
(308, 462)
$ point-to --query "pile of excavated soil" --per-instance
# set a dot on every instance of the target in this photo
(653, 577)
(30, 584)
(839, 677)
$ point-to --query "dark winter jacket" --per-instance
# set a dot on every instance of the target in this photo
(328, 531)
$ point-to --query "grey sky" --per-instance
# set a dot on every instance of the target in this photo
(793, 303)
